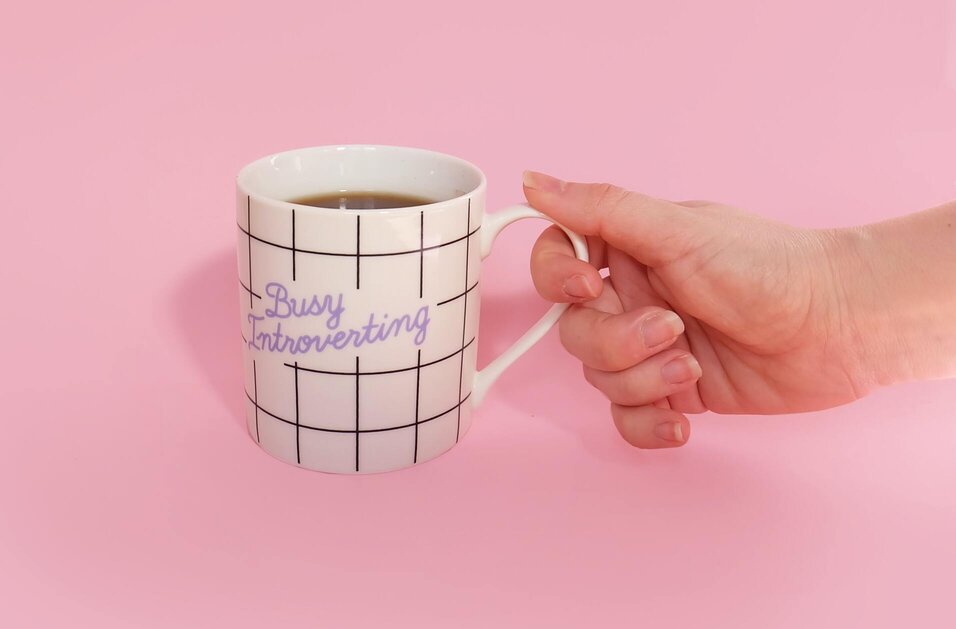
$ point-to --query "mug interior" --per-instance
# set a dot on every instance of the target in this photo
(360, 168)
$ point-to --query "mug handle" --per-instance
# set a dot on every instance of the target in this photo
(492, 225)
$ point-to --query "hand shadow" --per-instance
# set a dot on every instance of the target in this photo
(205, 311)
(546, 383)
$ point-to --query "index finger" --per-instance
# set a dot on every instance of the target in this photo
(557, 274)
(652, 230)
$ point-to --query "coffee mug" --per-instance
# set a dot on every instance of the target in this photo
(359, 327)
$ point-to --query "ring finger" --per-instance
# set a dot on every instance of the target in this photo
(657, 377)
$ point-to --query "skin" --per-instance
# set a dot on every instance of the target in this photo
(707, 307)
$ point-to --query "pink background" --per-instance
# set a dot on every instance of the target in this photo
(131, 494)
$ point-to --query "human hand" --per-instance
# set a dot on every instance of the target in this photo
(705, 307)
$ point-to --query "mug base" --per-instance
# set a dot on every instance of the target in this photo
(363, 453)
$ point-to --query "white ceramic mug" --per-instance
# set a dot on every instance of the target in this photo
(359, 327)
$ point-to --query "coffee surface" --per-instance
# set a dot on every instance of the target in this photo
(361, 200)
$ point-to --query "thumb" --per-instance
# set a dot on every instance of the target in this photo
(651, 230)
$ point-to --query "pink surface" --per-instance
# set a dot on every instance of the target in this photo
(131, 495)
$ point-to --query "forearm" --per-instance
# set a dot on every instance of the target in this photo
(899, 285)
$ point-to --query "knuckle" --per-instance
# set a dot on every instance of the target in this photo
(568, 332)
(606, 196)
(548, 251)
(544, 242)
(539, 261)
(606, 353)
(629, 391)
(610, 200)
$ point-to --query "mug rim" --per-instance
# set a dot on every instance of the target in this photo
(328, 148)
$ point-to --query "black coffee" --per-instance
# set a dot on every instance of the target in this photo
(358, 200)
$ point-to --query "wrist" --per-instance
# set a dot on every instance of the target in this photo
(896, 286)
(855, 322)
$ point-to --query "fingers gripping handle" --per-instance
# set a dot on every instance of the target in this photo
(491, 227)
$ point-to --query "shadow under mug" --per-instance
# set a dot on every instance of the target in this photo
(359, 327)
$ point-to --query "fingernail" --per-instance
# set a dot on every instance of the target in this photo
(577, 286)
(670, 431)
(542, 182)
(661, 328)
(680, 370)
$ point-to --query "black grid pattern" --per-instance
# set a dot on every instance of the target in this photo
(358, 255)
(357, 373)
(464, 323)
